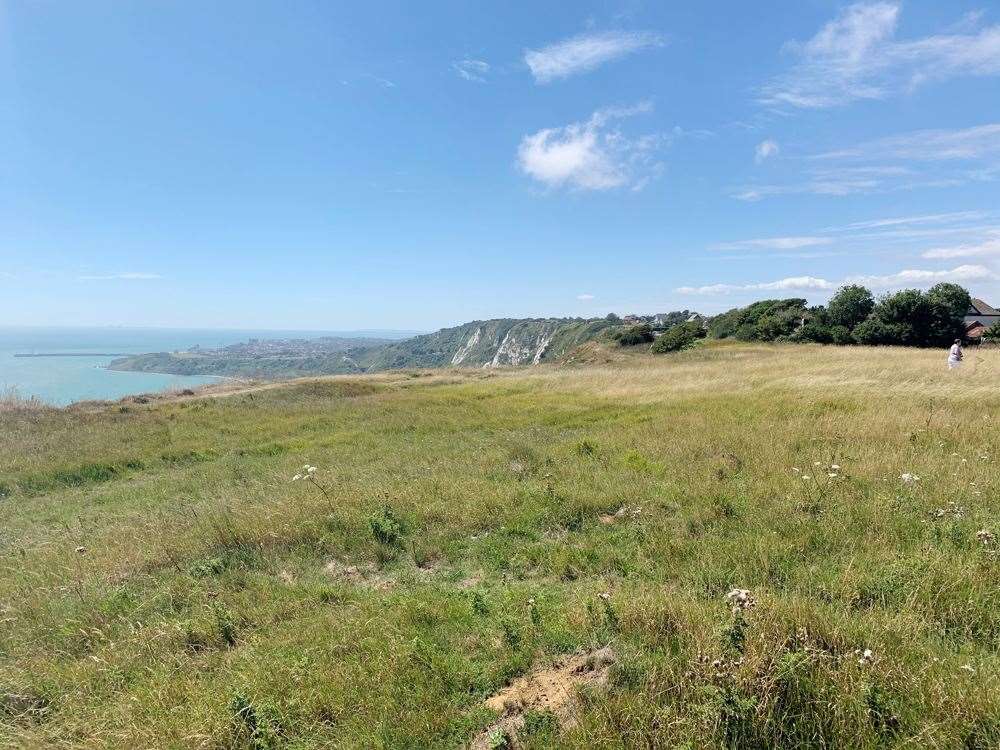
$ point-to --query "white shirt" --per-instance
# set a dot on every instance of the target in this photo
(955, 354)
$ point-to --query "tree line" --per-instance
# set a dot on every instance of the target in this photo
(853, 315)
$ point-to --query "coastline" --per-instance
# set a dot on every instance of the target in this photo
(170, 374)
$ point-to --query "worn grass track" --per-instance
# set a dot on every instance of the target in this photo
(163, 583)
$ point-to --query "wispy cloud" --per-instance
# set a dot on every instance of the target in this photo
(856, 56)
(907, 161)
(383, 82)
(773, 243)
(585, 297)
(586, 52)
(127, 276)
(908, 277)
(765, 150)
(472, 70)
(927, 145)
(818, 185)
(592, 155)
(896, 221)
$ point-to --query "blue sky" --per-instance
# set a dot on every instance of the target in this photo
(401, 165)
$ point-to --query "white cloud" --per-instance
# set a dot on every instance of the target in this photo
(585, 297)
(790, 283)
(127, 276)
(915, 277)
(909, 277)
(586, 52)
(856, 56)
(591, 155)
(472, 70)
(984, 249)
(765, 150)
(773, 243)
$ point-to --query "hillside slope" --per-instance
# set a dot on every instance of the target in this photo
(477, 534)
(487, 343)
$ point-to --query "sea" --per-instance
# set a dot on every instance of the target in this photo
(65, 379)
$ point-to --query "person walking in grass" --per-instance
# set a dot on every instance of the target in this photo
(955, 355)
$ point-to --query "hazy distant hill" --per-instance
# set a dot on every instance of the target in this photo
(481, 343)
(261, 358)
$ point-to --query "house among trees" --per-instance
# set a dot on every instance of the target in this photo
(979, 318)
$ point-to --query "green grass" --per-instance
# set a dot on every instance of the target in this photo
(165, 584)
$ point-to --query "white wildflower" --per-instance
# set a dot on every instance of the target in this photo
(297, 477)
(866, 657)
(985, 536)
(909, 478)
(740, 600)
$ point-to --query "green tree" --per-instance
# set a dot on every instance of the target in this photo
(849, 306)
(903, 318)
(949, 304)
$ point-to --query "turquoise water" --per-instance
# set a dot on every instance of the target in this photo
(63, 380)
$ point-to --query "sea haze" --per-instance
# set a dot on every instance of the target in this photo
(64, 380)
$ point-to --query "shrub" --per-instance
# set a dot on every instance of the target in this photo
(633, 335)
(766, 320)
(992, 334)
(816, 328)
(255, 723)
(678, 338)
(841, 335)
(387, 528)
(874, 332)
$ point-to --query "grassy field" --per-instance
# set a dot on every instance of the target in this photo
(165, 584)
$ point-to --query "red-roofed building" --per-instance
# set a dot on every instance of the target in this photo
(979, 318)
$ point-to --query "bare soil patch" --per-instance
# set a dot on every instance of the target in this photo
(553, 690)
(358, 575)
